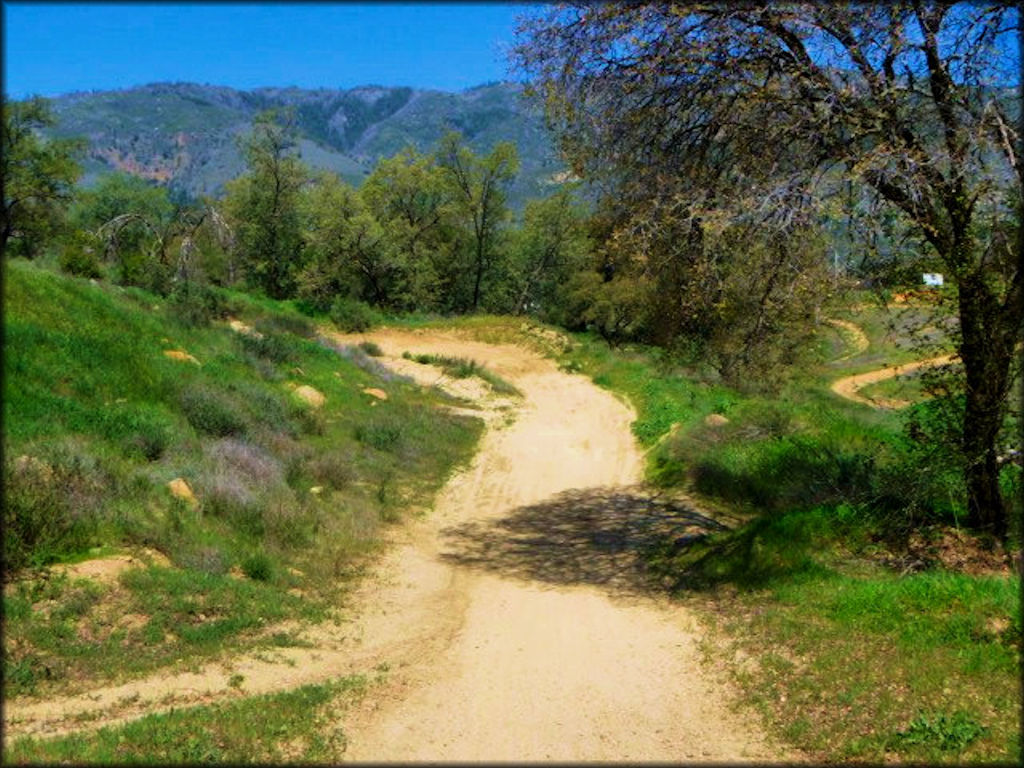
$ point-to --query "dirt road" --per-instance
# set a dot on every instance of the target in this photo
(545, 651)
(850, 386)
(509, 619)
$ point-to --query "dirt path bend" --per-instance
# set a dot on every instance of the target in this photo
(541, 649)
(507, 619)
(850, 386)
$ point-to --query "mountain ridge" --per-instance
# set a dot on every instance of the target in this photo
(184, 134)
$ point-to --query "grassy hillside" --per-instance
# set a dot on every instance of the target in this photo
(98, 421)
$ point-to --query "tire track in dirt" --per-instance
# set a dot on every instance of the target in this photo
(522, 658)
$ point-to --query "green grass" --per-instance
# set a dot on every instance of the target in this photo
(861, 664)
(104, 420)
(297, 726)
(64, 632)
(464, 368)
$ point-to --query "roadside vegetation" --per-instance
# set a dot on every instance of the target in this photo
(288, 495)
(463, 368)
(296, 726)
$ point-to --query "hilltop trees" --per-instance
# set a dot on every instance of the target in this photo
(38, 177)
(714, 104)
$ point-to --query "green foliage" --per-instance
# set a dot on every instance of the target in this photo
(383, 433)
(80, 255)
(477, 188)
(371, 348)
(352, 315)
(408, 196)
(551, 245)
(211, 412)
(275, 347)
(48, 509)
(264, 206)
(38, 177)
(463, 368)
(258, 567)
(195, 304)
(131, 217)
(945, 733)
(250, 729)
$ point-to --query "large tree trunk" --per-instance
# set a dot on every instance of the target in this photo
(986, 349)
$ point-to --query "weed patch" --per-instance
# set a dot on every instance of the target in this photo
(293, 726)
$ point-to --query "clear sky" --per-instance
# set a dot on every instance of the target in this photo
(50, 49)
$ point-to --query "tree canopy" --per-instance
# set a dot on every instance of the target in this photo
(38, 174)
(749, 111)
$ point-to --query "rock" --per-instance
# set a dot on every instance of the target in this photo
(380, 394)
(239, 327)
(181, 490)
(310, 395)
(715, 420)
(180, 354)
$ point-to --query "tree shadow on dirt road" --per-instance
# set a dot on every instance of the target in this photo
(598, 536)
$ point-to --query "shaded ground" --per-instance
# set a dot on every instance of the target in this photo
(578, 537)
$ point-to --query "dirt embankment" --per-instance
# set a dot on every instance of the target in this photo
(507, 617)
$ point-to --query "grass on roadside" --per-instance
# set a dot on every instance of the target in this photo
(464, 368)
(297, 726)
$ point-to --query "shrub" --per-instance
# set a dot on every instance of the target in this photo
(258, 567)
(205, 560)
(150, 440)
(211, 412)
(332, 469)
(371, 348)
(80, 256)
(47, 510)
(270, 346)
(286, 323)
(352, 315)
(195, 304)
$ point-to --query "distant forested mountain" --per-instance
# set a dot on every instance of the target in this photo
(184, 134)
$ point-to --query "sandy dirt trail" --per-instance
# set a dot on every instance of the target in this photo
(850, 386)
(538, 660)
(502, 617)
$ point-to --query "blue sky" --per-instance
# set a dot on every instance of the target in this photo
(51, 49)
